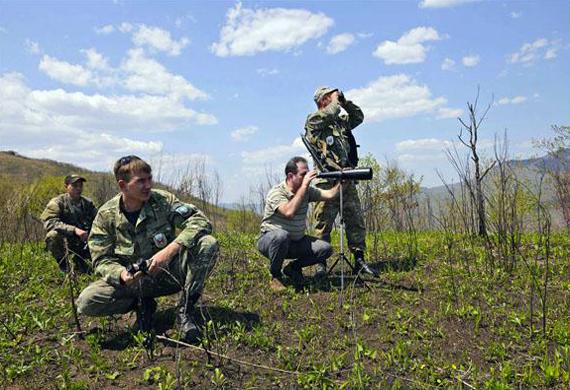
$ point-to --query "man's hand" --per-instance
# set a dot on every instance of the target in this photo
(162, 258)
(82, 234)
(129, 279)
(309, 176)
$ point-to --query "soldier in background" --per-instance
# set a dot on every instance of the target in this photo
(330, 132)
(67, 219)
(141, 223)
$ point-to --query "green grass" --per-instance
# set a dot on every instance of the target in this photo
(445, 319)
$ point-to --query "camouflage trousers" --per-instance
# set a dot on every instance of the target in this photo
(326, 212)
(61, 246)
(186, 272)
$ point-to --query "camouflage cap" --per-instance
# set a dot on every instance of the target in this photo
(322, 91)
(70, 179)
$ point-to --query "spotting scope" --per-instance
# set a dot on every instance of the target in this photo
(348, 174)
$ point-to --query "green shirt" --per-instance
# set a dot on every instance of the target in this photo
(114, 242)
(64, 214)
(273, 219)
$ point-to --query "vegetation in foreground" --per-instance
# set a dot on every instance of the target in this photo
(444, 315)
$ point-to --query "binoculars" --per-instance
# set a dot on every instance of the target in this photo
(348, 174)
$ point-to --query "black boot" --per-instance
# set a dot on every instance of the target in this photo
(190, 332)
(360, 264)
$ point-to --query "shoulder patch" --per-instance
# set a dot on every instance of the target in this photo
(182, 210)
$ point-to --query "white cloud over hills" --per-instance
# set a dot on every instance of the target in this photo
(250, 31)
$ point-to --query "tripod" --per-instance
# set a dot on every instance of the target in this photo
(341, 255)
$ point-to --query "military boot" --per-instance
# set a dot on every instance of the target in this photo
(360, 264)
(190, 332)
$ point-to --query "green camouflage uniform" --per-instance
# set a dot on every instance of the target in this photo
(61, 216)
(115, 243)
(328, 132)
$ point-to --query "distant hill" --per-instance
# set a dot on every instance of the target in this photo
(21, 168)
(527, 170)
(101, 185)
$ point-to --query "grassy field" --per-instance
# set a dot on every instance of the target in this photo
(450, 317)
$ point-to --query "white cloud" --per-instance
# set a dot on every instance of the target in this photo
(551, 53)
(340, 43)
(267, 72)
(446, 113)
(64, 71)
(409, 48)
(249, 31)
(56, 114)
(96, 60)
(470, 61)
(448, 64)
(515, 100)
(443, 3)
(159, 39)
(148, 75)
(105, 30)
(422, 145)
(276, 155)
(515, 14)
(125, 27)
(244, 133)
(530, 53)
(397, 96)
(76, 127)
(32, 47)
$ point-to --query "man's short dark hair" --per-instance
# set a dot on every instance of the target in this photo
(291, 166)
(127, 166)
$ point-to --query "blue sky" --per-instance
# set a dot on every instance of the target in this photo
(231, 83)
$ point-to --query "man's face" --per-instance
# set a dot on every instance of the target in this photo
(74, 189)
(297, 178)
(138, 187)
(327, 99)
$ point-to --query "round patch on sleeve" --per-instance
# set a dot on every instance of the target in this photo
(183, 210)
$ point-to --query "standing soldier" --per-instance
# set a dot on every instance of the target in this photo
(141, 223)
(67, 219)
(331, 135)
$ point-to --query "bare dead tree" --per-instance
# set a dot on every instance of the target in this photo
(468, 136)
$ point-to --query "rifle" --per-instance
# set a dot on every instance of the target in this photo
(319, 160)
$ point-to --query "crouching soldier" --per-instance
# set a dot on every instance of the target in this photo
(67, 219)
(141, 223)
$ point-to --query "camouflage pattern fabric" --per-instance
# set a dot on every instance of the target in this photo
(326, 212)
(115, 243)
(187, 271)
(61, 216)
(329, 132)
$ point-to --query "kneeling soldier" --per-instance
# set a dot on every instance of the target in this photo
(141, 223)
(67, 219)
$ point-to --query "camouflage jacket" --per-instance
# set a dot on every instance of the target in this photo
(114, 242)
(63, 215)
(329, 132)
